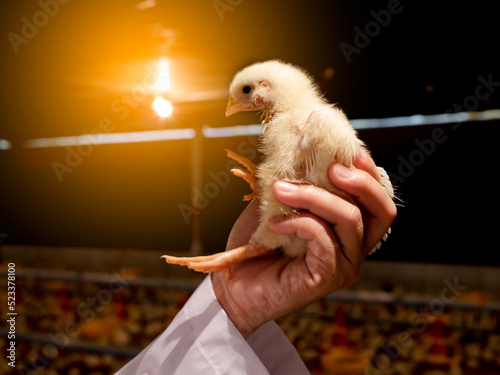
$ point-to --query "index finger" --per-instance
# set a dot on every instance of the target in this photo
(364, 162)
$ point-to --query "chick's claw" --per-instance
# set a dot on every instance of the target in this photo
(251, 179)
(252, 168)
(217, 262)
(210, 263)
(249, 175)
(182, 261)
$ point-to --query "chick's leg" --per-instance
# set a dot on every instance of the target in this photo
(243, 161)
(220, 261)
(249, 175)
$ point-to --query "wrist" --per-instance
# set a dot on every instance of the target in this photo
(238, 316)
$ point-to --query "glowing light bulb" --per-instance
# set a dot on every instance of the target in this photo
(162, 107)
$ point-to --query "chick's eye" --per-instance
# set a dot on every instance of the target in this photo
(246, 89)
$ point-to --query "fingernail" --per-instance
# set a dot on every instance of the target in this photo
(286, 187)
(343, 171)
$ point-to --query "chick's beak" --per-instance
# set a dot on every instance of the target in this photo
(234, 106)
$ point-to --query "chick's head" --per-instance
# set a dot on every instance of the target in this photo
(271, 87)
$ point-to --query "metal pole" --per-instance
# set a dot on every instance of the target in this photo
(196, 247)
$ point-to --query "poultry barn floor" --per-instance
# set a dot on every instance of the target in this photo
(399, 318)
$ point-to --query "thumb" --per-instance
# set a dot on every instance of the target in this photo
(244, 227)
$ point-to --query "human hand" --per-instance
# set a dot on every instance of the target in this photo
(340, 234)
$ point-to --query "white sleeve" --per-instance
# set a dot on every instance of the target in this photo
(203, 340)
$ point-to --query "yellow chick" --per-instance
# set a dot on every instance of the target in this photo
(303, 136)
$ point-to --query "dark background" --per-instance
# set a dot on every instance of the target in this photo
(64, 80)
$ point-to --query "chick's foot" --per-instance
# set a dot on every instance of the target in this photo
(252, 181)
(217, 262)
(248, 175)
